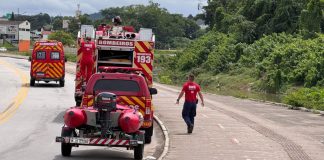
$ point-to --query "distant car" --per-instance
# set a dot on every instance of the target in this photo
(3, 49)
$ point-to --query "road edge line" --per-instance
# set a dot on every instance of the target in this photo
(166, 137)
(19, 98)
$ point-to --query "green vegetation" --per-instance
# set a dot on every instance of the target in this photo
(8, 46)
(172, 30)
(256, 46)
(70, 57)
(311, 98)
(63, 37)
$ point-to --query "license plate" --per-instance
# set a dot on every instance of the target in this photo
(40, 74)
(79, 140)
(133, 143)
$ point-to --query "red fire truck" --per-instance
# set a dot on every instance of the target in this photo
(120, 46)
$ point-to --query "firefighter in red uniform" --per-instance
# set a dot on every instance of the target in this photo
(190, 89)
(87, 62)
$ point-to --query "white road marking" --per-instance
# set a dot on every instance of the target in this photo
(221, 126)
(236, 141)
(204, 115)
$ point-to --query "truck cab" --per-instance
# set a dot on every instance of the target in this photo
(47, 62)
(131, 89)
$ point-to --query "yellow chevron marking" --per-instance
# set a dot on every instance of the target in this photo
(127, 100)
(41, 68)
(58, 67)
(60, 64)
(55, 71)
(36, 48)
(36, 65)
(146, 68)
(139, 101)
(50, 74)
(139, 47)
(148, 45)
(90, 103)
(147, 124)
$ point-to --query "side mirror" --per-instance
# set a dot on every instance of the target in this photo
(153, 91)
(29, 58)
(65, 59)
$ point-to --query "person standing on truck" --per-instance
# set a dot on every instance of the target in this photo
(87, 62)
(190, 89)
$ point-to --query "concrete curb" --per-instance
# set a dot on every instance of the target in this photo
(156, 118)
(166, 137)
(13, 56)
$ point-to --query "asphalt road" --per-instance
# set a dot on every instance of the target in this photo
(31, 117)
(229, 128)
(226, 128)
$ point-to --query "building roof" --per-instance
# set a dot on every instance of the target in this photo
(11, 22)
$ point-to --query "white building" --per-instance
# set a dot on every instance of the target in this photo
(16, 32)
(9, 30)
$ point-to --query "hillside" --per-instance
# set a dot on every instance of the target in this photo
(239, 55)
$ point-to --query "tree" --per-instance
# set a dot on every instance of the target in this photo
(310, 20)
(57, 23)
(85, 19)
(74, 26)
(12, 18)
(65, 38)
(165, 26)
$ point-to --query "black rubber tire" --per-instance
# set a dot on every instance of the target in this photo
(32, 82)
(62, 81)
(139, 152)
(78, 101)
(65, 147)
(148, 135)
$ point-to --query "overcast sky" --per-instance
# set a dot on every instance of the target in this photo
(68, 7)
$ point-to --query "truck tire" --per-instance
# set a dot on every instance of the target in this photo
(62, 83)
(148, 135)
(78, 100)
(32, 82)
(66, 148)
(139, 152)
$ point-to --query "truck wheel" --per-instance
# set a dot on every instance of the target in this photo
(138, 152)
(32, 82)
(66, 148)
(78, 100)
(148, 135)
(62, 83)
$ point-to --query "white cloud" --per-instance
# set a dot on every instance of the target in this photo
(68, 7)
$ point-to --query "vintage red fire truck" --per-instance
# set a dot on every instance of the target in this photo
(120, 46)
(47, 62)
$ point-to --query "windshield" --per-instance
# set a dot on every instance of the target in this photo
(116, 85)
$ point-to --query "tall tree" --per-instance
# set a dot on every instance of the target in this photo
(12, 18)
(311, 17)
